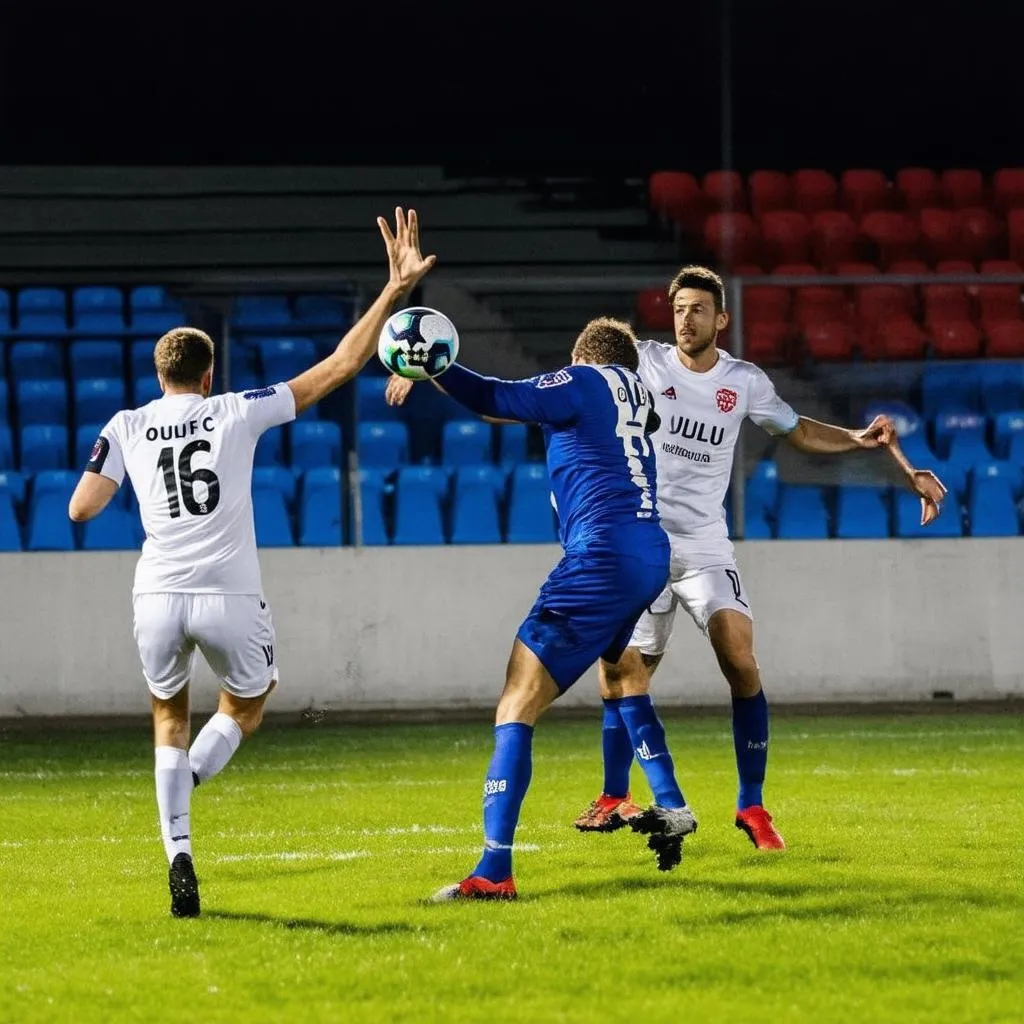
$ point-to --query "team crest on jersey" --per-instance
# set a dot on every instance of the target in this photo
(553, 380)
(726, 399)
(669, 392)
(259, 393)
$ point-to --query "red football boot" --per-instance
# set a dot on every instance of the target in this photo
(607, 813)
(477, 888)
(757, 823)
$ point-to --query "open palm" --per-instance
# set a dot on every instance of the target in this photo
(406, 263)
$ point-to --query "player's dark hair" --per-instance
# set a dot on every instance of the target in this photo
(183, 355)
(606, 342)
(703, 279)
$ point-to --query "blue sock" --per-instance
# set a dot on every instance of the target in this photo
(647, 735)
(508, 777)
(750, 737)
(617, 748)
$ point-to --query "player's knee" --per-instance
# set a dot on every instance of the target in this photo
(630, 676)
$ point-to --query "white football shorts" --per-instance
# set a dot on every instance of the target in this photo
(701, 591)
(234, 632)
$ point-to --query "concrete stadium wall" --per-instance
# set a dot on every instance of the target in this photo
(431, 627)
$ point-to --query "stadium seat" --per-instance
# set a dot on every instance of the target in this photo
(96, 401)
(275, 476)
(270, 448)
(370, 399)
(769, 190)
(5, 311)
(426, 410)
(315, 444)
(512, 443)
(10, 534)
(908, 518)
(478, 490)
(876, 303)
(43, 447)
(6, 448)
(13, 484)
(273, 527)
(813, 191)
(4, 397)
(372, 485)
(383, 444)
(945, 302)
(261, 312)
(767, 343)
(1007, 426)
(1005, 340)
(833, 238)
(1016, 452)
(863, 192)
(960, 188)
(324, 311)
(285, 358)
(154, 312)
(98, 311)
(531, 518)
(732, 238)
(982, 234)
(49, 528)
(320, 510)
(766, 305)
(1015, 223)
(785, 236)
(145, 391)
(801, 514)
(419, 492)
(96, 359)
(85, 439)
(992, 508)
(724, 191)
(42, 401)
(761, 491)
(1008, 189)
(897, 338)
(756, 525)
(949, 388)
(815, 304)
(861, 513)
(829, 340)
(941, 237)
(998, 303)
(918, 187)
(653, 309)
(955, 339)
(894, 235)
(36, 360)
(42, 312)
(466, 443)
(140, 356)
(676, 197)
(116, 528)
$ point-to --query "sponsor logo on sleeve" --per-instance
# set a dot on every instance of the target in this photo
(98, 455)
(553, 380)
(259, 393)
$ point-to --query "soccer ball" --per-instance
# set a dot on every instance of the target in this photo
(418, 343)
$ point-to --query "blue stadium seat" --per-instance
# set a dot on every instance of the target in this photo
(98, 310)
(426, 410)
(512, 443)
(42, 401)
(370, 399)
(953, 474)
(905, 417)
(116, 528)
(916, 447)
(1007, 424)
(957, 425)
(275, 476)
(950, 387)
(49, 527)
(315, 443)
(146, 390)
(10, 535)
(155, 311)
(1016, 452)
(531, 518)
(261, 312)
(992, 509)
(755, 524)
(273, 527)
(1001, 470)
(372, 487)
(802, 514)
(245, 358)
(861, 513)
(42, 312)
(141, 358)
(908, 518)
(6, 448)
(98, 359)
(320, 512)
(13, 484)
(284, 358)
(1002, 386)
(243, 382)
(419, 493)
(478, 490)
(5, 311)
(762, 488)
(4, 397)
(966, 449)
(270, 448)
(383, 444)
(36, 360)
(320, 311)
(96, 401)
(466, 443)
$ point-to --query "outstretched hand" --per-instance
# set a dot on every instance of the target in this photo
(931, 490)
(398, 389)
(877, 434)
(406, 264)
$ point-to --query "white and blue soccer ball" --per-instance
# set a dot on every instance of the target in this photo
(418, 343)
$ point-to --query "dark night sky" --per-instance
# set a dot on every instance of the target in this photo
(556, 85)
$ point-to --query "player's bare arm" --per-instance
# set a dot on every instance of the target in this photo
(923, 482)
(398, 388)
(825, 439)
(91, 497)
(407, 266)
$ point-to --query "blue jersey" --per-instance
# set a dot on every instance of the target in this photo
(596, 421)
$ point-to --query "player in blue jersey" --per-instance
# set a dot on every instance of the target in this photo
(596, 416)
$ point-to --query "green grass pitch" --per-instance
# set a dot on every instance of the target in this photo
(901, 897)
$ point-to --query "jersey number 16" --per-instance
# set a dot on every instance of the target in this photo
(188, 477)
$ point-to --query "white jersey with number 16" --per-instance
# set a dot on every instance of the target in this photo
(189, 459)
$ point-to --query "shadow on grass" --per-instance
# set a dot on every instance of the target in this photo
(312, 925)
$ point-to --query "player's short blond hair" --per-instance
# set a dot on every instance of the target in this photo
(606, 341)
(183, 355)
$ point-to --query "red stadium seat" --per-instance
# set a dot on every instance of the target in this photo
(877, 302)
(918, 187)
(898, 338)
(955, 339)
(895, 235)
(814, 191)
(856, 269)
(982, 234)
(1005, 340)
(962, 188)
(945, 303)
(769, 190)
(863, 192)
(796, 270)
(765, 305)
(724, 192)
(940, 235)
(815, 304)
(767, 343)
(747, 270)
(675, 196)
(732, 238)
(955, 267)
(1008, 189)
(998, 302)
(833, 238)
(830, 339)
(653, 309)
(908, 267)
(784, 237)
(1016, 225)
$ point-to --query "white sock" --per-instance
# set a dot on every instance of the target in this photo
(214, 746)
(173, 793)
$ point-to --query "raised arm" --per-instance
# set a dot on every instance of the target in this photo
(398, 390)
(406, 266)
(825, 439)
(552, 398)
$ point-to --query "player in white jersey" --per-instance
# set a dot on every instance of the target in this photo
(197, 584)
(702, 396)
